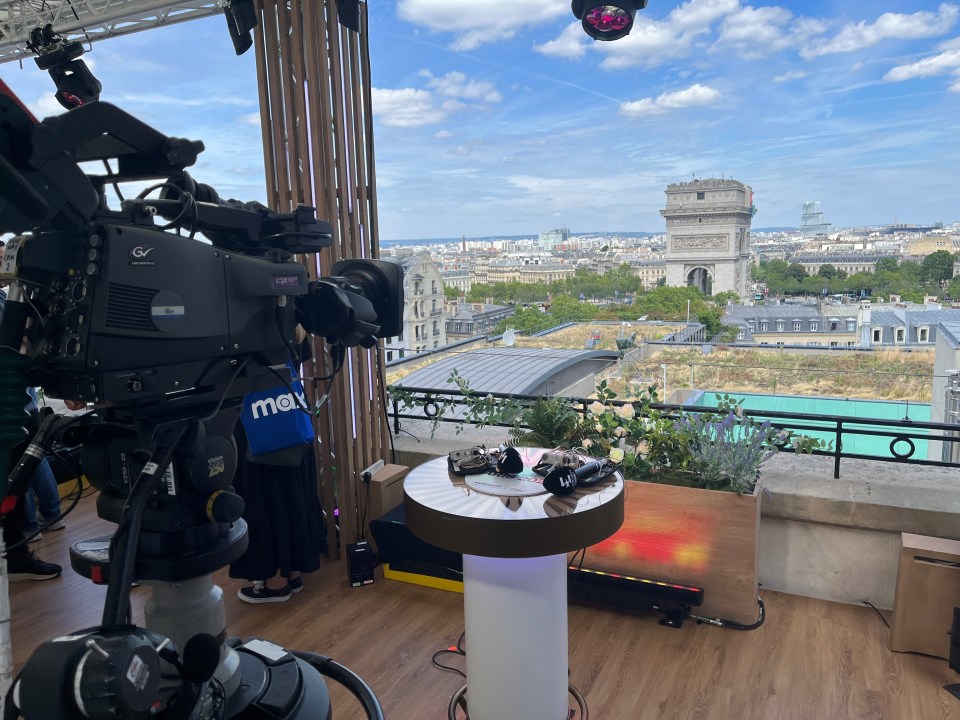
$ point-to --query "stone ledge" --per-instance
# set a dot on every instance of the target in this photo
(868, 495)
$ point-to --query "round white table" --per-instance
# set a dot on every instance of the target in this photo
(514, 547)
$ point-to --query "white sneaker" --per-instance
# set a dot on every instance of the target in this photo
(55, 525)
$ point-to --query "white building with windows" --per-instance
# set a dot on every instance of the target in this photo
(423, 309)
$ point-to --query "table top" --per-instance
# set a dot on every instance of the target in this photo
(443, 510)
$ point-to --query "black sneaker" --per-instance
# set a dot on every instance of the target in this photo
(32, 568)
(260, 593)
(296, 584)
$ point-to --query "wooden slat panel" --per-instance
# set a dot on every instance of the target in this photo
(315, 88)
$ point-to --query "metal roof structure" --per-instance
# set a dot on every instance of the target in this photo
(90, 20)
(511, 370)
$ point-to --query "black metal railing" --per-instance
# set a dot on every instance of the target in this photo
(903, 433)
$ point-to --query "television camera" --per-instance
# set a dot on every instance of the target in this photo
(165, 333)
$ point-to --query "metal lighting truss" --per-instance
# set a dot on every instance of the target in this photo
(89, 20)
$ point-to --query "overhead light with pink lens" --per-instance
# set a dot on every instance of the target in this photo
(607, 19)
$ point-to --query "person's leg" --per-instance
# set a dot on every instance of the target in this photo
(44, 484)
(30, 524)
(22, 564)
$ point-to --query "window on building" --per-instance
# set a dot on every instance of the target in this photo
(779, 325)
(764, 343)
(851, 325)
(701, 196)
(876, 335)
(834, 325)
(433, 287)
(899, 335)
(416, 287)
(436, 344)
(741, 335)
(764, 326)
(814, 326)
(780, 344)
(834, 343)
(796, 326)
(850, 343)
(469, 327)
(389, 355)
(813, 343)
(923, 334)
(456, 327)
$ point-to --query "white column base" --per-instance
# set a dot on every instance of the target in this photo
(516, 637)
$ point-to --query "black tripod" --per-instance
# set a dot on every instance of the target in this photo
(165, 481)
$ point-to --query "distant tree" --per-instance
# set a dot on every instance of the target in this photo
(451, 293)
(953, 289)
(887, 263)
(797, 272)
(726, 297)
(566, 308)
(938, 266)
(828, 271)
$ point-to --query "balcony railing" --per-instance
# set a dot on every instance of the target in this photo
(903, 434)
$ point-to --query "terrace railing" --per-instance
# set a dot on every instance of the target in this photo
(904, 435)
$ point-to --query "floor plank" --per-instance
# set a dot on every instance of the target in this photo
(810, 660)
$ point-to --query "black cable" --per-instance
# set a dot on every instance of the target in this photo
(454, 650)
(879, 614)
(123, 544)
(733, 624)
(383, 402)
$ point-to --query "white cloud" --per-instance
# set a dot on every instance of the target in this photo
(45, 106)
(928, 67)
(455, 85)
(695, 95)
(447, 94)
(699, 15)
(856, 36)
(480, 21)
(757, 31)
(250, 119)
(407, 107)
(955, 87)
(571, 43)
(792, 75)
(443, 134)
(653, 42)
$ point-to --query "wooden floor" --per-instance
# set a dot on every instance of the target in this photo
(811, 660)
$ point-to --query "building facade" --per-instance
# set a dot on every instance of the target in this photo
(423, 309)
(465, 320)
(708, 235)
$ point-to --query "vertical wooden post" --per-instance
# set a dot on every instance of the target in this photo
(315, 110)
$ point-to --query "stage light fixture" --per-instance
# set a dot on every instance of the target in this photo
(607, 19)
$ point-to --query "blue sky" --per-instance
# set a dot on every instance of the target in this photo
(496, 117)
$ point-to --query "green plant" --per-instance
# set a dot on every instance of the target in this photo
(720, 450)
(548, 423)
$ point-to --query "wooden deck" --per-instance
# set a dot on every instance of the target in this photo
(811, 660)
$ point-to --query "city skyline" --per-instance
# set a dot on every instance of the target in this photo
(497, 119)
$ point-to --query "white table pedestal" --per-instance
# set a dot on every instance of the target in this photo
(516, 637)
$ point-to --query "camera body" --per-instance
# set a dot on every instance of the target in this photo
(130, 313)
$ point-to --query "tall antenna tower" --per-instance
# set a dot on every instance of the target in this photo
(812, 222)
